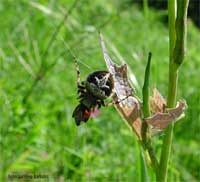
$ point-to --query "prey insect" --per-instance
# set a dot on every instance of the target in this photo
(91, 93)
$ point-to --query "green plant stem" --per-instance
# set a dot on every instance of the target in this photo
(146, 110)
(177, 35)
(145, 90)
(145, 8)
(143, 167)
(145, 128)
(146, 138)
(172, 31)
(181, 32)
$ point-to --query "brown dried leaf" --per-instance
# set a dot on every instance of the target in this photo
(129, 108)
(162, 120)
(157, 102)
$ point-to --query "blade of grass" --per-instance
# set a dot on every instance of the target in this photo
(146, 139)
(36, 52)
(143, 167)
(22, 61)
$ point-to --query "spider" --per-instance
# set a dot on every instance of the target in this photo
(91, 93)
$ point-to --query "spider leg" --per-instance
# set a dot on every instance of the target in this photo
(78, 73)
(99, 103)
(81, 85)
(115, 102)
(81, 94)
(81, 89)
(102, 103)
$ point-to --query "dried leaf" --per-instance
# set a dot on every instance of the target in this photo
(162, 120)
(129, 108)
(157, 102)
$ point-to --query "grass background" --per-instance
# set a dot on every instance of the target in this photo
(40, 136)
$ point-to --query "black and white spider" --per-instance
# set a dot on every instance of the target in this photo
(91, 93)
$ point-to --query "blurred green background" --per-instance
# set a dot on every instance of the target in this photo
(38, 134)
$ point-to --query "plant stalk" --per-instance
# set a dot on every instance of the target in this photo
(146, 138)
(145, 8)
(143, 167)
(177, 37)
(145, 90)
